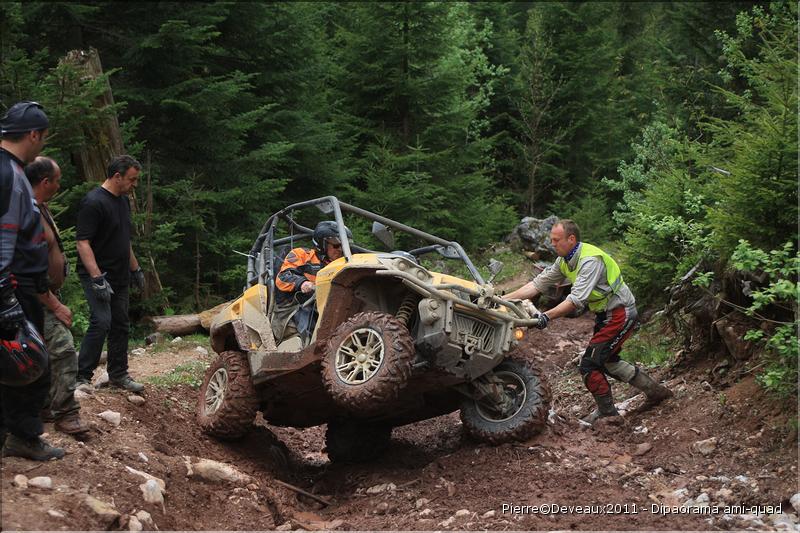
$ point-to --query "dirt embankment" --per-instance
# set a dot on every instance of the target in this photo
(622, 477)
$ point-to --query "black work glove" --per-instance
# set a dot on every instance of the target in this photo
(543, 321)
(11, 313)
(137, 279)
(102, 289)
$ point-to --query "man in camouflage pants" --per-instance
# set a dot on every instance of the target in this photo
(61, 407)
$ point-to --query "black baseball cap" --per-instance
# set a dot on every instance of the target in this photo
(23, 117)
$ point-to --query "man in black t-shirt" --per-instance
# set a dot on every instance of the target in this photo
(106, 267)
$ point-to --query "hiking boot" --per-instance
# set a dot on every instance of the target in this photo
(47, 416)
(127, 383)
(654, 392)
(605, 407)
(84, 386)
(36, 449)
(71, 424)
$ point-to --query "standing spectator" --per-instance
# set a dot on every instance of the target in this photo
(107, 266)
(23, 275)
(44, 174)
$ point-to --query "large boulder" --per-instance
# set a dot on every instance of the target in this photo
(534, 235)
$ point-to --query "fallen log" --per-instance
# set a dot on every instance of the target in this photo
(176, 324)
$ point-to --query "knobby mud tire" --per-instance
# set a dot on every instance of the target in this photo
(389, 379)
(530, 420)
(349, 441)
(235, 415)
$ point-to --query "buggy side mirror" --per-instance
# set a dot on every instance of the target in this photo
(495, 267)
(448, 252)
(326, 207)
(384, 234)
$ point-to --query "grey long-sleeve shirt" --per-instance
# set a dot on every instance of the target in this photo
(591, 274)
(23, 248)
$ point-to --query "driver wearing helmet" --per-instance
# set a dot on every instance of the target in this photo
(296, 282)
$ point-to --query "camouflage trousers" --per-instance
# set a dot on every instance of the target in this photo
(63, 366)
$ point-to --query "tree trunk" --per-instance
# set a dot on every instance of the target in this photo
(153, 280)
(103, 140)
(176, 324)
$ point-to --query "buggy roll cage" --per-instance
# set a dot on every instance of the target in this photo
(261, 258)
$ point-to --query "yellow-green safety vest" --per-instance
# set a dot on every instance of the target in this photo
(598, 300)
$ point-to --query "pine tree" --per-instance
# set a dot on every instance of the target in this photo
(756, 151)
(412, 82)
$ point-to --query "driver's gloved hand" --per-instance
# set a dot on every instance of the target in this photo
(11, 313)
(307, 287)
(102, 289)
(543, 321)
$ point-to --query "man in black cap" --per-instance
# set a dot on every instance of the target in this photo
(23, 275)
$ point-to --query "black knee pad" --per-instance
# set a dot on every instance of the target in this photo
(588, 363)
(601, 354)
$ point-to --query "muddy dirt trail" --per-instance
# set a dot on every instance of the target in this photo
(648, 474)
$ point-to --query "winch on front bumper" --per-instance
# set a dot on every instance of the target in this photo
(464, 331)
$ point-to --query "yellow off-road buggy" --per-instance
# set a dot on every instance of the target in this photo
(393, 342)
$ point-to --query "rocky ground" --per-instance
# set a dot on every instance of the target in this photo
(708, 459)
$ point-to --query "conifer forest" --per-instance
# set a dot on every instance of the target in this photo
(666, 130)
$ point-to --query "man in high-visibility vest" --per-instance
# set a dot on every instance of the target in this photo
(597, 285)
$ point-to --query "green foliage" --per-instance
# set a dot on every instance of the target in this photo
(686, 200)
(651, 346)
(667, 235)
(653, 155)
(414, 85)
(703, 279)
(778, 294)
(541, 143)
(190, 374)
(169, 344)
(590, 211)
(446, 116)
(757, 196)
(501, 25)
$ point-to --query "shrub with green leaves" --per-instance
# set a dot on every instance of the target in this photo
(774, 302)
(650, 346)
(690, 199)
(190, 374)
(756, 195)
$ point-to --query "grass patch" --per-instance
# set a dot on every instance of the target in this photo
(166, 345)
(186, 374)
(651, 346)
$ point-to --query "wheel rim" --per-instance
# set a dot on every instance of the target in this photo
(359, 356)
(515, 389)
(215, 391)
